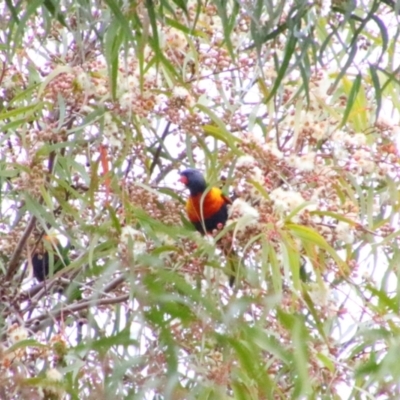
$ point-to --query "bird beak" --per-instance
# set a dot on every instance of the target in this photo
(183, 179)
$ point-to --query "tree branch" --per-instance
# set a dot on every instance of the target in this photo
(14, 261)
(41, 321)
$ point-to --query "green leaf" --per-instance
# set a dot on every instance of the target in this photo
(351, 99)
(308, 235)
(288, 54)
(377, 87)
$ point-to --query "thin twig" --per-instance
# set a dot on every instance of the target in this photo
(160, 146)
(56, 314)
(14, 261)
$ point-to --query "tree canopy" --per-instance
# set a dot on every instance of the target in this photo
(291, 107)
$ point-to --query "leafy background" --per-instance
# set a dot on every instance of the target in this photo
(291, 107)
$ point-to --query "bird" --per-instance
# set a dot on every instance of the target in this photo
(206, 207)
(41, 259)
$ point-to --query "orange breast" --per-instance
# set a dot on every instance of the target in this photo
(204, 206)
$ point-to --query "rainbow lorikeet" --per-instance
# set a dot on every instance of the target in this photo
(47, 258)
(206, 212)
(206, 208)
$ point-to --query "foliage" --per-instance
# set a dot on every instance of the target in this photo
(292, 107)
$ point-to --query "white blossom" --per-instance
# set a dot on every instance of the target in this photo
(243, 214)
(8, 83)
(338, 136)
(319, 293)
(319, 87)
(18, 334)
(320, 130)
(55, 387)
(111, 131)
(362, 157)
(126, 101)
(340, 153)
(344, 232)
(101, 89)
(180, 92)
(357, 140)
(325, 7)
(134, 238)
(273, 149)
(242, 208)
(245, 162)
(176, 40)
(133, 82)
(286, 200)
(84, 82)
(304, 163)
(54, 375)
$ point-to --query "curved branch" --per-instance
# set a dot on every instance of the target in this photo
(40, 322)
(14, 261)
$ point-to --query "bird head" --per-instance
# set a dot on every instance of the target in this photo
(193, 180)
